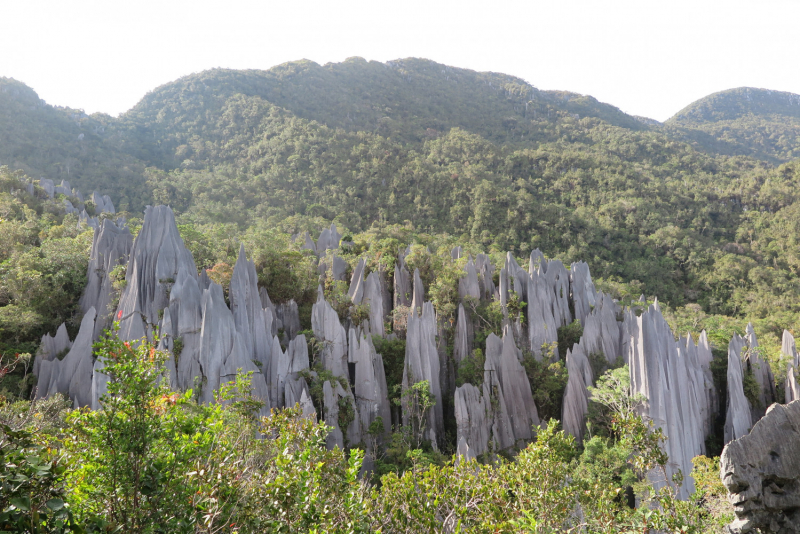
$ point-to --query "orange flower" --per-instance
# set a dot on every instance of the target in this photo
(127, 345)
(119, 315)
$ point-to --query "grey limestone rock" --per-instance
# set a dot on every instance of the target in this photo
(339, 269)
(738, 421)
(373, 297)
(422, 363)
(542, 329)
(761, 471)
(402, 284)
(289, 316)
(157, 255)
(419, 293)
(504, 371)
(111, 247)
(308, 243)
(330, 410)
(72, 376)
(328, 239)
(51, 346)
(601, 331)
(48, 186)
(558, 280)
(661, 371)
(468, 285)
(223, 349)
(294, 389)
(473, 413)
(788, 348)
(249, 317)
(371, 392)
(356, 291)
(285, 367)
(457, 252)
(329, 330)
(483, 265)
(583, 292)
(576, 394)
(186, 315)
(537, 262)
(464, 335)
(204, 281)
(762, 372)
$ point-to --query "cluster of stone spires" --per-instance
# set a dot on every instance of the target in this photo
(102, 203)
(210, 340)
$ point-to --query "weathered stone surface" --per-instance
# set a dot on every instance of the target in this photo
(294, 390)
(700, 357)
(473, 413)
(72, 376)
(788, 348)
(457, 252)
(285, 368)
(504, 371)
(738, 421)
(328, 239)
(419, 293)
(583, 292)
(327, 328)
(761, 471)
(223, 349)
(371, 392)
(249, 317)
(402, 284)
(373, 297)
(422, 363)
(558, 280)
(166, 343)
(468, 285)
(518, 278)
(156, 257)
(542, 329)
(330, 410)
(289, 318)
(762, 372)
(356, 290)
(111, 246)
(48, 186)
(339, 269)
(601, 331)
(464, 335)
(51, 346)
(537, 262)
(483, 265)
(186, 314)
(576, 394)
(663, 374)
(203, 280)
(308, 243)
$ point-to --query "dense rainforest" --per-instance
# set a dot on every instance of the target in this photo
(700, 212)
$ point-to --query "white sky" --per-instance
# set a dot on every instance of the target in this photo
(648, 58)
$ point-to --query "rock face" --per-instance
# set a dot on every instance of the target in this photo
(186, 314)
(558, 280)
(374, 298)
(468, 285)
(504, 372)
(762, 372)
(72, 376)
(576, 394)
(473, 413)
(422, 363)
(51, 347)
(583, 292)
(371, 392)
(667, 377)
(762, 474)
(464, 335)
(158, 254)
(485, 270)
(788, 348)
(542, 329)
(111, 247)
(738, 421)
(601, 331)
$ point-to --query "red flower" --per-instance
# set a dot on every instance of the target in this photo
(119, 315)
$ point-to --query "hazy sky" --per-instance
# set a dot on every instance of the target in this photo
(648, 58)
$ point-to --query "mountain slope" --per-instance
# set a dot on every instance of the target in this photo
(756, 122)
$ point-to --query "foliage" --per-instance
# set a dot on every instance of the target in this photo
(417, 401)
(548, 382)
(470, 369)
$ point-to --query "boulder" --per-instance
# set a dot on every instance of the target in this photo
(761, 471)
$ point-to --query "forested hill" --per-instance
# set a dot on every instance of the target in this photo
(756, 122)
(407, 100)
(682, 210)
